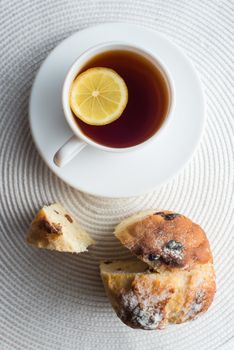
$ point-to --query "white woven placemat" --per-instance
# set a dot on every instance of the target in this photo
(56, 301)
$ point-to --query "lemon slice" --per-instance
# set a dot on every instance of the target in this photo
(98, 96)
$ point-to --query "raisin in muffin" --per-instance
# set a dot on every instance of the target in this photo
(173, 279)
(55, 229)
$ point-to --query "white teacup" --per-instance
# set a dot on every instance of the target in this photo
(79, 140)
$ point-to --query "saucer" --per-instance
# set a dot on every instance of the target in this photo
(111, 174)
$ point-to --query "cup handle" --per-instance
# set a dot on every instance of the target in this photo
(68, 151)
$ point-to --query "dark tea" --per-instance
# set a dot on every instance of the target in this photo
(148, 100)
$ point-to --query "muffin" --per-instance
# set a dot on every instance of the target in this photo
(55, 229)
(151, 300)
(165, 239)
(171, 280)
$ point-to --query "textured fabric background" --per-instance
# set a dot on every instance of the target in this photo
(56, 301)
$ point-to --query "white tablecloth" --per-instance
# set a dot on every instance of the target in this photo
(56, 301)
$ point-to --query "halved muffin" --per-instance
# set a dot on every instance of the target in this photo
(164, 238)
(151, 300)
(172, 282)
